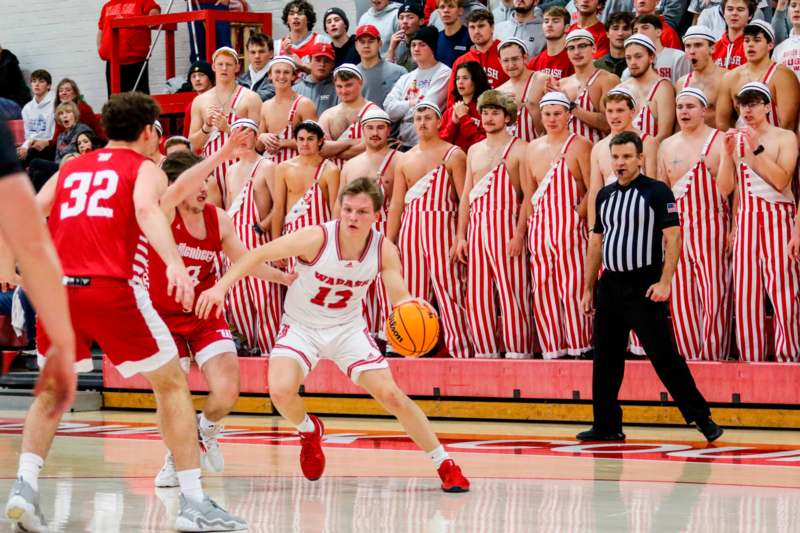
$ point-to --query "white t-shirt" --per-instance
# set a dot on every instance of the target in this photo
(431, 84)
(788, 53)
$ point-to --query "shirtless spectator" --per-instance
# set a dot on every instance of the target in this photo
(342, 123)
(281, 113)
(704, 74)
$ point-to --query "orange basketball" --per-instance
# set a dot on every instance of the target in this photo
(412, 329)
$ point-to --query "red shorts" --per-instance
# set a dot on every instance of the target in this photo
(118, 315)
(202, 338)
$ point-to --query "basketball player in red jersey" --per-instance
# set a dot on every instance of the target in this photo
(337, 261)
(98, 206)
(201, 230)
(215, 110)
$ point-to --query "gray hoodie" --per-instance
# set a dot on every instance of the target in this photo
(385, 20)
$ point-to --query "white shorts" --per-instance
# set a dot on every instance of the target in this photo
(350, 346)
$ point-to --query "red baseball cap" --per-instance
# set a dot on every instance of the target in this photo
(322, 49)
(367, 29)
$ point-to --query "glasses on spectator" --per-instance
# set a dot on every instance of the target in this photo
(581, 46)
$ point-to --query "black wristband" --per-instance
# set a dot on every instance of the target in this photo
(759, 149)
(258, 229)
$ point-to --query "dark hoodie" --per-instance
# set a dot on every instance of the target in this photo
(12, 83)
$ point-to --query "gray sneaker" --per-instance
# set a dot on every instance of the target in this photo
(23, 509)
(206, 516)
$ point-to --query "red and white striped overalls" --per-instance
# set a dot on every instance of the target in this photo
(254, 305)
(772, 114)
(310, 210)
(583, 101)
(524, 128)
(646, 121)
(376, 303)
(557, 240)
(492, 273)
(215, 142)
(427, 233)
(353, 132)
(701, 289)
(762, 267)
(285, 154)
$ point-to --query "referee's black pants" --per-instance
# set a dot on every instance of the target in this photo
(621, 307)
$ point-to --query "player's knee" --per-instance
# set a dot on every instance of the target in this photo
(282, 392)
(392, 398)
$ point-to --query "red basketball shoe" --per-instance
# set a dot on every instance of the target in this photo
(452, 478)
(312, 460)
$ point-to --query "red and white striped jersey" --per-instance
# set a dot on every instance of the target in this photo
(383, 214)
(583, 101)
(495, 191)
(244, 212)
(215, 142)
(311, 209)
(696, 191)
(330, 290)
(524, 127)
(287, 133)
(432, 192)
(755, 193)
(646, 121)
(557, 198)
(198, 256)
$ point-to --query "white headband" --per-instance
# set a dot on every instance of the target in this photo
(694, 92)
(513, 40)
(555, 98)
(624, 91)
(699, 31)
(428, 105)
(225, 50)
(642, 40)
(756, 86)
(245, 123)
(286, 60)
(580, 34)
(763, 25)
(376, 113)
(348, 67)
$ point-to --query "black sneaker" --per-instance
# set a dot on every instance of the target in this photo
(709, 429)
(595, 435)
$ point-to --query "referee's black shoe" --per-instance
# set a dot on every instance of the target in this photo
(709, 428)
(594, 434)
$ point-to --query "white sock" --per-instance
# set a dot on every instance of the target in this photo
(205, 424)
(191, 488)
(438, 456)
(29, 466)
(306, 426)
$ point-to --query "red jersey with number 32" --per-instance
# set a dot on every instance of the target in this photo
(93, 220)
(329, 290)
(198, 256)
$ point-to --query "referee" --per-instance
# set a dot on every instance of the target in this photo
(634, 216)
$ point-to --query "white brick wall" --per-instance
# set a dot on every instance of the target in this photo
(60, 36)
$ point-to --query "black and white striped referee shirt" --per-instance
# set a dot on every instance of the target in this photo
(631, 219)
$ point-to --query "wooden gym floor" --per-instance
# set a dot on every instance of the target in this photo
(525, 478)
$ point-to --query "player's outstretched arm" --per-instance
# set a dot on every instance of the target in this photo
(191, 178)
(305, 243)
(31, 245)
(234, 249)
(150, 184)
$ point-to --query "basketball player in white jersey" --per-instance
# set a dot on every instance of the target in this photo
(199, 234)
(280, 114)
(216, 109)
(620, 106)
(759, 163)
(704, 73)
(254, 305)
(423, 221)
(654, 94)
(491, 235)
(524, 86)
(701, 298)
(342, 122)
(759, 40)
(558, 165)
(586, 87)
(378, 162)
(336, 262)
(306, 185)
